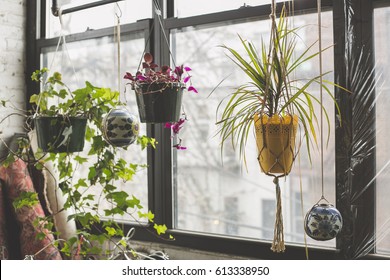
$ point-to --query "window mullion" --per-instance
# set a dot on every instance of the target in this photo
(162, 155)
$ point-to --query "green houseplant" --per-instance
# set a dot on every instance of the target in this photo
(276, 103)
(104, 172)
(61, 114)
(274, 100)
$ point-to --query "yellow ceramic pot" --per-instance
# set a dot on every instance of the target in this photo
(275, 137)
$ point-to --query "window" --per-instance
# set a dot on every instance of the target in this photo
(382, 23)
(205, 202)
(203, 180)
(182, 8)
(97, 17)
(96, 60)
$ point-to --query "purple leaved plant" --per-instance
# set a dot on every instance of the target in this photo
(176, 127)
(151, 73)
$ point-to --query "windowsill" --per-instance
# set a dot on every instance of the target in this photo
(239, 247)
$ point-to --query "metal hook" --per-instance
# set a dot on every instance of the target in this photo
(120, 10)
(54, 8)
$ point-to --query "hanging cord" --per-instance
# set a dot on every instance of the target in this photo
(159, 17)
(65, 46)
(302, 210)
(118, 39)
(146, 43)
(157, 10)
(65, 49)
(278, 242)
(321, 97)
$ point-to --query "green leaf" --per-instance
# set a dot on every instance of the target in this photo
(28, 199)
(9, 160)
(111, 231)
(80, 159)
(134, 202)
(40, 236)
(161, 229)
(145, 142)
(81, 183)
(149, 215)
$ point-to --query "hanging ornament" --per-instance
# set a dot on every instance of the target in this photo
(323, 222)
(120, 127)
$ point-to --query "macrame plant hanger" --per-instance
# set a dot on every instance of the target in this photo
(281, 157)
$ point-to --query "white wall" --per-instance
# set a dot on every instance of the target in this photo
(12, 63)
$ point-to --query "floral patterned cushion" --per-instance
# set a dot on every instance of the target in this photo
(17, 181)
(4, 247)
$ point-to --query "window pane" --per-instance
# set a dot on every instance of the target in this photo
(227, 199)
(96, 18)
(96, 61)
(187, 8)
(382, 45)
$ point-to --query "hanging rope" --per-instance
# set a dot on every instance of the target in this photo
(159, 17)
(118, 38)
(321, 96)
(61, 42)
(158, 12)
(278, 242)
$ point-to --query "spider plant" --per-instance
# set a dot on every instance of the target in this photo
(273, 90)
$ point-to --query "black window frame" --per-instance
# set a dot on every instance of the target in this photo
(160, 180)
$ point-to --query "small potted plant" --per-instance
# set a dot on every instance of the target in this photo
(159, 91)
(276, 103)
(61, 115)
(273, 100)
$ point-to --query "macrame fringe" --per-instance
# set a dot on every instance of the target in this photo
(278, 242)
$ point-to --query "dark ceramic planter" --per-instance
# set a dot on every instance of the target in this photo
(60, 134)
(159, 103)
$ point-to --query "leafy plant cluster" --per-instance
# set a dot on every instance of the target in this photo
(273, 90)
(152, 74)
(106, 169)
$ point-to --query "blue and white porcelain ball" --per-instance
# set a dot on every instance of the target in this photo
(323, 222)
(120, 128)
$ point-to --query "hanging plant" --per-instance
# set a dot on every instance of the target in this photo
(159, 91)
(82, 193)
(274, 102)
(61, 115)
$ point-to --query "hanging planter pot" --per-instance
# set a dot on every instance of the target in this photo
(159, 102)
(120, 128)
(58, 134)
(323, 222)
(275, 138)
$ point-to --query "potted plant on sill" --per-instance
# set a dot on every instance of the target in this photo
(159, 92)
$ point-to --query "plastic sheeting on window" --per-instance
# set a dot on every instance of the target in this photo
(356, 149)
